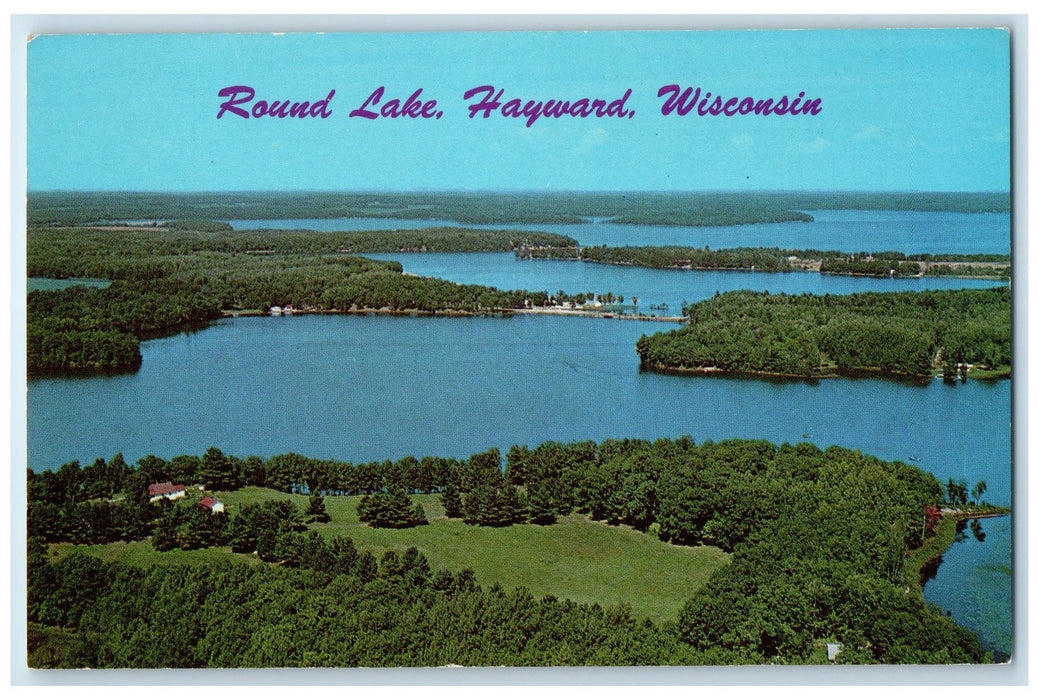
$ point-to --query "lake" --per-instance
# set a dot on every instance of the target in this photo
(974, 583)
(652, 287)
(373, 388)
(845, 230)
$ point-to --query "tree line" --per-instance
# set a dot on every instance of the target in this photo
(819, 537)
(907, 333)
(652, 208)
(49, 247)
(882, 264)
(337, 608)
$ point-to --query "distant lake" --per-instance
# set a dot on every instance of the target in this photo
(650, 286)
(847, 230)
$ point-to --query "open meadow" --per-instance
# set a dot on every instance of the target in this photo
(576, 558)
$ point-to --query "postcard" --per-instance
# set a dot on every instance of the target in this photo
(640, 349)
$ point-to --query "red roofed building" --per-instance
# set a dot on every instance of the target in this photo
(211, 504)
(166, 490)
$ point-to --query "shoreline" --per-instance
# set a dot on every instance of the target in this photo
(858, 372)
(717, 371)
(454, 313)
(804, 266)
(922, 563)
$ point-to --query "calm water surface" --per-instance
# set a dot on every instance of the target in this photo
(651, 287)
(368, 388)
(364, 388)
(373, 388)
(845, 230)
(974, 583)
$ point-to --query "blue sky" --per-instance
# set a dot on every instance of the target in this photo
(915, 109)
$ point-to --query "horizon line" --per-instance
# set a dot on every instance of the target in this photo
(511, 191)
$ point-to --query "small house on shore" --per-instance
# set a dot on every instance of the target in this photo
(212, 505)
(167, 490)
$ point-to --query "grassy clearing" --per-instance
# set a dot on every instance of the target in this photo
(141, 553)
(576, 558)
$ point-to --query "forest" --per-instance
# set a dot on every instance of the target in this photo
(167, 279)
(881, 264)
(893, 333)
(648, 208)
(819, 540)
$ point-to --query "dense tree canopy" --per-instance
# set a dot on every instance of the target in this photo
(882, 264)
(908, 333)
(659, 208)
(819, 541)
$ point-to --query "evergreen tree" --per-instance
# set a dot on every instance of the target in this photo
(316, 512)
(451, 500)
(218, 472)
(391, 508)
(164, 536)
(540, 509)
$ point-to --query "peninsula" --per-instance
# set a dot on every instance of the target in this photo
(910, 334)
(880, 264)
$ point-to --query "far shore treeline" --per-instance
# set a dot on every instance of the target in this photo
(648, 208)
(866, 264)
(821, 544)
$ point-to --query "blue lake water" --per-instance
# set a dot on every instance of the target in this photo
(974, 583)
(366, 388)
(374, 388)
(651, 287)
(845, 230)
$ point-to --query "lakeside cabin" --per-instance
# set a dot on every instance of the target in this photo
(211, 504)
(167, 490)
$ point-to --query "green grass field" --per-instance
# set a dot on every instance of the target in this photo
(576, 558)
(141, 553)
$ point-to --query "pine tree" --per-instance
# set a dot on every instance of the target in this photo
(316, 512)
(392, 508)
(451, 499)
(540, 510)
(164, 537)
